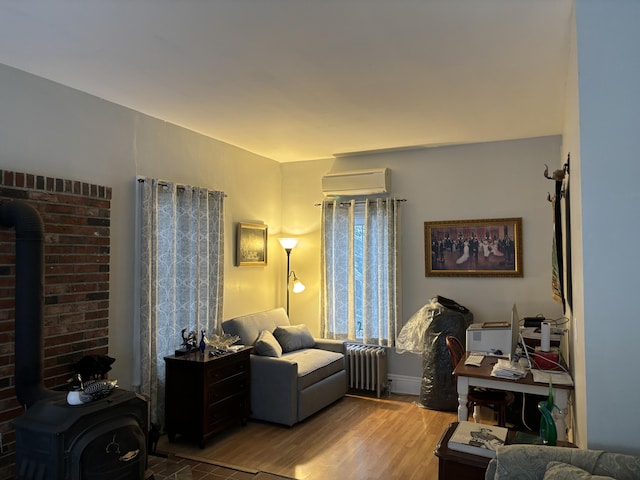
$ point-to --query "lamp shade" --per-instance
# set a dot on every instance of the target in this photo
(298, 286)
(288, 243)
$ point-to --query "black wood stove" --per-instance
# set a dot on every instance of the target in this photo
(103, 439)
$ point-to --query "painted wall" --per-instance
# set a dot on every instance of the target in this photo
(52, 130)
(301, 191)
(571, 146)
(56, 130)
(609, 113)
(488, 180)
(49, 129)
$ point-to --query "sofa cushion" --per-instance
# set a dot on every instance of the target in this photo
(294, 337)
(564, 471)
(248, 327)
(314, 365)
(267, 345)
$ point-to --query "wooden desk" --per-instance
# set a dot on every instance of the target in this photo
(469, 376)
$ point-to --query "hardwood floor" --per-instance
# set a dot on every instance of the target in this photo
(357, 437)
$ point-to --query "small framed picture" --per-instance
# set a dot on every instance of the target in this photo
(251, 245)
(473, 248)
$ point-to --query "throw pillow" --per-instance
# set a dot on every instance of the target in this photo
(564, 471)
(294, 337)
(267, 345)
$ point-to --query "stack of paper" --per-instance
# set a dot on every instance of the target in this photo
(507, 369)
(556, 378)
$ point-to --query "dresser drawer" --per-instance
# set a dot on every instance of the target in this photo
(235, 385)
(227, 412)
(226, 370)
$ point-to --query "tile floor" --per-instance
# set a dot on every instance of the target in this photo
(177, 468)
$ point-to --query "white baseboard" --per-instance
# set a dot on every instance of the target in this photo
(405, 385)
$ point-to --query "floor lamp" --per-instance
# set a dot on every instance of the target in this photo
(289, 244)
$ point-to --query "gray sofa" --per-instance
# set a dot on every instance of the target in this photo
(537, 462)
(294, 376)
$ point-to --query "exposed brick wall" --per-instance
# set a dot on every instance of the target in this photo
(76, 220)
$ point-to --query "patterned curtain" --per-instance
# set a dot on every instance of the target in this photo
(360, 297)
(181, 275)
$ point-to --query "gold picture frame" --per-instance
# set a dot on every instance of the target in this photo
(251, 245)
(473, 248)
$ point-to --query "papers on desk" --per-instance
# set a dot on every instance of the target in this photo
(514, 371)
(509, 370)
(557, 378)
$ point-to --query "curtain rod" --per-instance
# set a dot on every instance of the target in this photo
(165, 183)
(363, 201)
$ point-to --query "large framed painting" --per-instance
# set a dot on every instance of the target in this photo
(251, 245)
(473, 248)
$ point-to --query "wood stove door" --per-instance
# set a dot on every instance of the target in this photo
(113, 450)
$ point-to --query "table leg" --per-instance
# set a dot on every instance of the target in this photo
(463, 392)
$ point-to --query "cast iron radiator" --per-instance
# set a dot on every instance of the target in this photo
(367, 367)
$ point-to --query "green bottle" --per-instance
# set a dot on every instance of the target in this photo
(548, 431)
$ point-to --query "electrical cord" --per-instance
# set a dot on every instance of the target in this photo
(559, 321)
(524, 396)
(526, 349)
(533, 351)
(524, 403)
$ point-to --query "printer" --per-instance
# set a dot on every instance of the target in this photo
(490, 337)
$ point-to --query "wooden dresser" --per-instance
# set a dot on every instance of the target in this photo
(205, 395)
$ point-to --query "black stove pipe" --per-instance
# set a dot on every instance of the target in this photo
(29, 302)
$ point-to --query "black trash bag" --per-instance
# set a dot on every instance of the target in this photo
(426, 333)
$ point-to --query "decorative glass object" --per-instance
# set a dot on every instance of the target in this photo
(548, 430)
(223, 342)
(203, 342)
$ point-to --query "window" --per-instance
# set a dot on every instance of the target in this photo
(360, 270)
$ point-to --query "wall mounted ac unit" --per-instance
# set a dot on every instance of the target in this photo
(357, 182)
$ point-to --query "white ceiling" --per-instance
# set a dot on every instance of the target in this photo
(306, 79)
